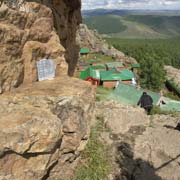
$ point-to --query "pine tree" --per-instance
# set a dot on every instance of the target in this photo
(152, 72)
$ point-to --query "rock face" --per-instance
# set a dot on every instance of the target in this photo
(92, 40)
(35, 30)
(145, 147)
(44, 128)
(44, 125)
(173, 73)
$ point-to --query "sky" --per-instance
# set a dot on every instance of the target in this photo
(131, 4)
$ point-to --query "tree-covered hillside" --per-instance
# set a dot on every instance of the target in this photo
(169, 25)
(135, 26)
(105, 24)
(152, 55)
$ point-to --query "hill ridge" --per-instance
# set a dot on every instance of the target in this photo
(134, 25)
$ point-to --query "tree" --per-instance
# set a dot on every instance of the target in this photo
(152, 72)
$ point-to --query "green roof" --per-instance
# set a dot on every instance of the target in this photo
(112, 75)
(135, 65)
(114, 64)
(129, 95)
(89, 72)
(173, 86)
(84, 51)
(170, 105)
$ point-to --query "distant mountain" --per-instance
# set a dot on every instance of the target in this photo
(100, 12)
(133, 23)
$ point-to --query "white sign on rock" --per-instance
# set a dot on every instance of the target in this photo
(46, 69)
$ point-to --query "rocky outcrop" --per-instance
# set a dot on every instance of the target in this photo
(91, 39)
(159, 147)
(44, 128)
(67, 17)
(35, 30)
(173, 74)
(144, 147)
(44, 125)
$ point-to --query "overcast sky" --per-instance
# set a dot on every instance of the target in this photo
(131, 4)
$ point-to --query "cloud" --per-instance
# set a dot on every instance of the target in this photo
(131, 4)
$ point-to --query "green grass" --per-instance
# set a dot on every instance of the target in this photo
(101, 93)
(162, 24)
(100, 58)
(109, 25)
(95, 161)
(158, 110)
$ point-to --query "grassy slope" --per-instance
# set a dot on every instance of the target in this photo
(105, 24)
(136, 26)
(162, 24)
(95, 161)
(136, 30)
(97, 57)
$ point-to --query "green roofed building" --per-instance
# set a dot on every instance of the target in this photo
(129, 95)
(135, 68)
(84, 51)
(90, 72)
(137, 65)
(170, 105)
(91, 75)
(114, 75)
(110, 78)
(173, 87)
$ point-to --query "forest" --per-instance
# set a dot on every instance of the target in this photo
(152, 54)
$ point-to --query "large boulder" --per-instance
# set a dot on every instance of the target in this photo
(44, 125)
(159, 146)
(31, 31)
(143, 147)
(44, 128)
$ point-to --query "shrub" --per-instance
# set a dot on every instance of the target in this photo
(95, 162)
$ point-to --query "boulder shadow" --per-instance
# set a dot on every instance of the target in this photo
(133, 169)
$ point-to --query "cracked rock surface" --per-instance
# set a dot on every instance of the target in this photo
(37, 29)
(144, 147)
(44, 128)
